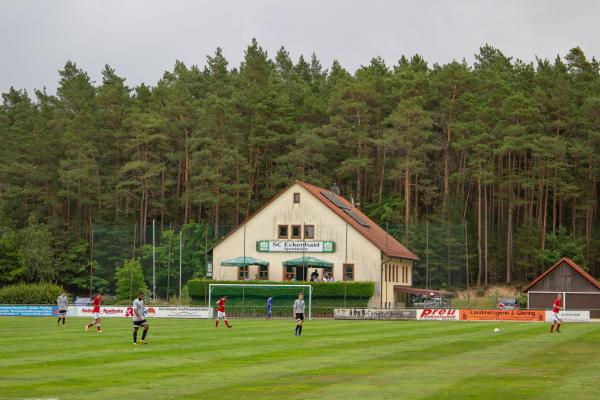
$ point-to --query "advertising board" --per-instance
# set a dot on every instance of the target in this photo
(151, 312)
(503, 315)
(179, 312)
(437, 314)
(366, 313)
(570, 316)
(28, 311)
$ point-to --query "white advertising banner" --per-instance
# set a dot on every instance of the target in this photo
(570, 316)
(105, 311)
(437, 314)
(151, 312)
(179, 312)
(366, 313)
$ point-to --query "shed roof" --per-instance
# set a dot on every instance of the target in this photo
(572, 265)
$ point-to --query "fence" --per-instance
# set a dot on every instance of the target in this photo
(169, 255)
(172, 254)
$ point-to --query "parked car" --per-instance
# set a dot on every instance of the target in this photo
(507, 303)
(82, 301)
(419, 301)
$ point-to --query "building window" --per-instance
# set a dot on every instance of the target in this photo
(263, 273)
(296, 231)
(282, 232)
(309, 231)
(243, 273)
(348, 272)
(296, 198)
(289, 273)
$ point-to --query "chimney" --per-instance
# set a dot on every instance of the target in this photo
(335, 189)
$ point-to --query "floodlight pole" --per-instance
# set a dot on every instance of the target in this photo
(180, 254)
(153, 260)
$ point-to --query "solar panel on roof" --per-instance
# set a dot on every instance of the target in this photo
(335, 200)
(355, 217)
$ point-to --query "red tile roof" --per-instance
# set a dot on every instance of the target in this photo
(571, 264)
(374, 233)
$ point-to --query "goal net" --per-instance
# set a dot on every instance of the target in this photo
(250, 300)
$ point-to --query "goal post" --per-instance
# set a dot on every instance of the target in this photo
(254, 296)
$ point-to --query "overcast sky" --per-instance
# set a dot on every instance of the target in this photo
(142, 39)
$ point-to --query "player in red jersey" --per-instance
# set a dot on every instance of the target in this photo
(556, 320)
(96, 302)
(221, 311)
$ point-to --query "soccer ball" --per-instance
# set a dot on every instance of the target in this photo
(496, 330)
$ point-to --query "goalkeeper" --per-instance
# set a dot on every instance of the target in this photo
(269, 307)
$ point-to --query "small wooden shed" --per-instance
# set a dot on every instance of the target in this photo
(580, 290)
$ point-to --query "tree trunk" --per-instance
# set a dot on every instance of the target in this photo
(479, 249)
(406, 201)
(485, 236)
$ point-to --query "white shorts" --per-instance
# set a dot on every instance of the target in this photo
(221, 314)
(555, 318)
(96, 315)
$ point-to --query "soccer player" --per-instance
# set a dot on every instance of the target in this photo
(556, 320)
(139, 319)
(269, 306)
(96, 302)
(62, 308)
(299, 313)
(221, 311)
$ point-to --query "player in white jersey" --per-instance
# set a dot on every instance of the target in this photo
(299, 313)
(139, 318)
(62, 302)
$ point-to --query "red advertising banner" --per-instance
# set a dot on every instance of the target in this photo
(503, 315)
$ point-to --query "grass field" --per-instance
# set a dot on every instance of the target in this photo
(257, 359)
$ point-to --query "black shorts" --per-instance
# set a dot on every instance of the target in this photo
(62, 312)
(137, 324)
(299, 316)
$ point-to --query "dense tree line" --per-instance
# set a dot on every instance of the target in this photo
(510, 149)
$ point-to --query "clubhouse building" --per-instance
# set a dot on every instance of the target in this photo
(310, 233)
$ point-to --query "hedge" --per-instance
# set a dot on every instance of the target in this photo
(35, 293)
(251, 301)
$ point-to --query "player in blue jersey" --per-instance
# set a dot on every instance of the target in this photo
(269, 307)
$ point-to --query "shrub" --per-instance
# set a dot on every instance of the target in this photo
(35, 293)
(130, 280)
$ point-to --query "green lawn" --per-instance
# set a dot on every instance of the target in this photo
(257, 359)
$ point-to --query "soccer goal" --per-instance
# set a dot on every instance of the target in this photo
(250, 300)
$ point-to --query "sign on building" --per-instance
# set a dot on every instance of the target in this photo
(296, 246)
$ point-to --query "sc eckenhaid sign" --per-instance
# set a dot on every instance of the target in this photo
(295, 246)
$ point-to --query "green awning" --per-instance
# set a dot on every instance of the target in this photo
(308, 262)
(244, 262)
